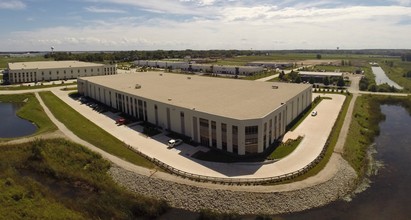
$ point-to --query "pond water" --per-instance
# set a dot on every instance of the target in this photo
(389, 193)
(11, 125)
(381, 77)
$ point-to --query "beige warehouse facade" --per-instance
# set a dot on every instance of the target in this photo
(237, 116)
(25, 72)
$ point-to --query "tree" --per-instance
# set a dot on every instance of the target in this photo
(281, 75)
(364, 82)
(341, 82)
(311, 80)
(372, 87)
(326, 81)
(298, 79)
(319, 56)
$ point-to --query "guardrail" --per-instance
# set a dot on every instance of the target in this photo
(237, 181)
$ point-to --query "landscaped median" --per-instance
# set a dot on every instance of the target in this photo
(23, 87)
(90, 132)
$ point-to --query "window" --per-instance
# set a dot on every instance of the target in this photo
(251, 139)
(235, 139)
(182, 121)
(224, 136)
(213, 134)
(204, 133)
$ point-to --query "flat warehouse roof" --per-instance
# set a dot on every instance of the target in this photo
(320, 73)
(51, 65)
(231, 98)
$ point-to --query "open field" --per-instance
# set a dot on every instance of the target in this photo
(90, 132)
(57, 179)
(6, 59)
(31, 111)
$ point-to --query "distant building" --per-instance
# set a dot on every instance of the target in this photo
(237, 116)
(318, 77)
(25, 72)
(271, 65)
(203, 68)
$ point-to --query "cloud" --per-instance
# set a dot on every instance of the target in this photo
(103, 10)
(12, 4)
(233, 26)
(403, 2)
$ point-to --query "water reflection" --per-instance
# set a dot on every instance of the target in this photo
(389, 196)
(381, 77)
(11, 125)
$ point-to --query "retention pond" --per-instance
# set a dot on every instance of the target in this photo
(381, 77)
(12, 126)
(389, 194)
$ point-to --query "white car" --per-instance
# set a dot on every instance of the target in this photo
(314, 113)
(174, 142)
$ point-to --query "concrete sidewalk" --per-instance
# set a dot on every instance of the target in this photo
(315, 129)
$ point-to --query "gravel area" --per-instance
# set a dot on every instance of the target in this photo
(196, 198)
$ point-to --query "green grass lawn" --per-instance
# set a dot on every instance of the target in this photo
(259, 75)
(90, 132)
(57, 179)
(31, 111)
(284, 149)
(21, 87)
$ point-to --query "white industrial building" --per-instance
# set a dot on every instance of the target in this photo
(202, 68)
(238, 116)
(25, 72)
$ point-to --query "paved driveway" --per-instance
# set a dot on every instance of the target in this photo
(315, 131)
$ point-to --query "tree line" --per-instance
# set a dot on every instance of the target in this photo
(127, 56)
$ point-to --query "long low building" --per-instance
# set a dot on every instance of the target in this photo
(238, 116)
(24, 72)
(204, 68)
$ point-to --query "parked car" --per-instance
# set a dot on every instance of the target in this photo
(174, 142)
(121, 121)
(314, 113)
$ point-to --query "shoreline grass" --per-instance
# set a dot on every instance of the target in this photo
(90, 132)
(58, 179)
(365, 127)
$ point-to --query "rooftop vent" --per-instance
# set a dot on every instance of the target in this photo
(138, 86)
(274, 87)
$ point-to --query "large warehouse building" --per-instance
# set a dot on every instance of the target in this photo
(204, 68)
(238, 116)
(24, 72)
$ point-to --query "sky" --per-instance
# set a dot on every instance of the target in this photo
(90, 25)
